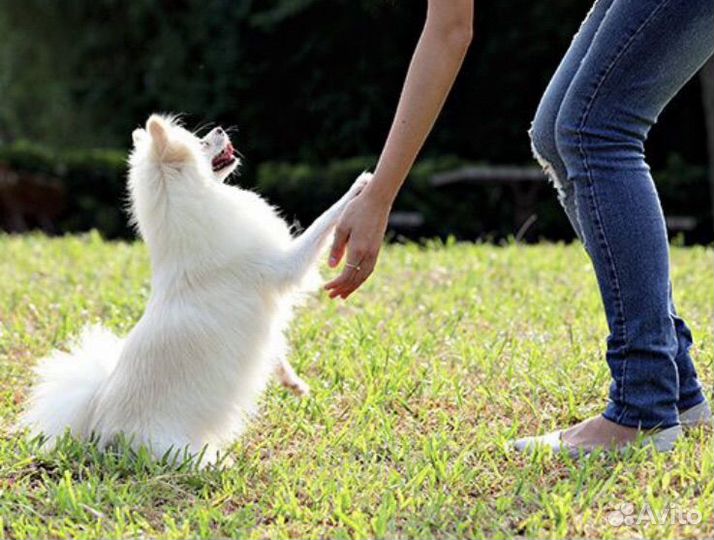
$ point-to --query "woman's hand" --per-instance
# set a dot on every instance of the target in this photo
(360, 231)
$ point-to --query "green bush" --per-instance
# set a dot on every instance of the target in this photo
(464, 211)
(304, 191)
(95, 183)
(26, 156)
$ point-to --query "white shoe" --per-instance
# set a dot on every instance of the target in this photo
(699, 415)
(662, 440)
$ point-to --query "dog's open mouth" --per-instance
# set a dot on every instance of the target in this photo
(225, 159)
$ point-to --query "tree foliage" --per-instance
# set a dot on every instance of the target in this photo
(305, 80)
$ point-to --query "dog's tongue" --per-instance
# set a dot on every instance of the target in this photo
(224, 157)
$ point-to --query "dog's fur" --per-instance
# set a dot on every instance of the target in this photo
(226, 274)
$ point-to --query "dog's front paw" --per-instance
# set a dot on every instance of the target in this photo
(359, 184)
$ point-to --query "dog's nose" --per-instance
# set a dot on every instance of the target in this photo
(219, 131)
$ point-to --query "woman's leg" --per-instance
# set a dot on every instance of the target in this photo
(543, 137)
(641, 55)
(624, 65)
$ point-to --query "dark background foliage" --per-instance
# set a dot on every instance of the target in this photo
(311, 82)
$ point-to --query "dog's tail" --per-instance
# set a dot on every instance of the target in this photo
(66, 384)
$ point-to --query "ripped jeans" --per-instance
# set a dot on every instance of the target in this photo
(625, 64)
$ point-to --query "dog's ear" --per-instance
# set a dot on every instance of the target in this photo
(156, 126)
(168, 150)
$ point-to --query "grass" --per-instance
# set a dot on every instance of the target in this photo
(417, 383)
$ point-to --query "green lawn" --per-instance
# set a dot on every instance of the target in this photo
(417, 383)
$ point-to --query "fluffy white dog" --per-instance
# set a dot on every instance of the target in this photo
(226, 274)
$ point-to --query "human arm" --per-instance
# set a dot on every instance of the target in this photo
(436, 61)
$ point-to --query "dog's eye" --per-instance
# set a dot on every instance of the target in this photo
(204, 144)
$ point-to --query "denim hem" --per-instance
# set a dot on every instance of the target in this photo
(619, 416)
(683, 405)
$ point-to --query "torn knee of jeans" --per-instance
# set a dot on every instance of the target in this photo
(548, 169)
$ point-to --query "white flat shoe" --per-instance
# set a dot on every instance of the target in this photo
(699, 415)
(662, 440)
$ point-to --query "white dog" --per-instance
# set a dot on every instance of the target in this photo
(226, 273)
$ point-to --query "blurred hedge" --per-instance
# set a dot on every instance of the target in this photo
(93, 179)
(466, 212)
(95, 184)
(307, 81)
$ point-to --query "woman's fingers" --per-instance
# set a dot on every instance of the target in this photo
(337, 285)
(352, 275)
(343, 282)
(337, 250)
(359, 277)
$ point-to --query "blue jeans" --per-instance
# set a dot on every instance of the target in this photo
(626, 63)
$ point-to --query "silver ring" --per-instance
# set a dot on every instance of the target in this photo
(355, 266)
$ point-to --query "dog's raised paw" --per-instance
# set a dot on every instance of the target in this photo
(360, 183)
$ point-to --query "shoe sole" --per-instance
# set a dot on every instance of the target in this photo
(662, 441)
